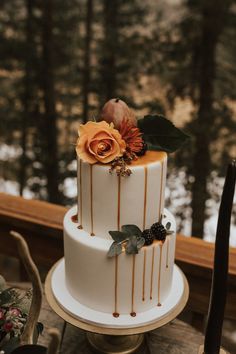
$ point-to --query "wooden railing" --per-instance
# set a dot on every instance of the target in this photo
(41, 224)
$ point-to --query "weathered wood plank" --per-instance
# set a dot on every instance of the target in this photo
(39, 222)
(198, 252)
(31, 211)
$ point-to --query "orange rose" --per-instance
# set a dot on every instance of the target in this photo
(99, 142)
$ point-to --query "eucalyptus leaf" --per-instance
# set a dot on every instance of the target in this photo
(118, 236)
(39, 327)
(37, 331)
(160, 133)
(140, 242)
(114, 250)
(168, 225)
(132, 245)
(132, 230)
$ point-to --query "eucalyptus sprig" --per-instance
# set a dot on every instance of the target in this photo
(129, 238)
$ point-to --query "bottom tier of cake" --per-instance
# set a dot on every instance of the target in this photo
(125, 284)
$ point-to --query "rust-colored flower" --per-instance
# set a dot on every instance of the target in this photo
(132, 137)
(99, 142)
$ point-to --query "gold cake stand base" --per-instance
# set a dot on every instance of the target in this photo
(109, 340)
(103, 343)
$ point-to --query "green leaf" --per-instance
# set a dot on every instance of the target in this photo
(39, 327)
(168, 225)
(140, 242)
(160, 133)
(114, 250)
(132, 245)
(117, 236)
(37, 332)
(132, 230)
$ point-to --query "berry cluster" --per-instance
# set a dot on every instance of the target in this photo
(157, 231)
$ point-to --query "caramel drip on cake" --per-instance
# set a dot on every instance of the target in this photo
(74, 218)
(159, 213)
(153, 251)
(167, 251)
(144, 273)
(133, 313)
(118, 205)
(159, 277)
(145, 197)
(115, 313)
(80, 192)
(91, 199)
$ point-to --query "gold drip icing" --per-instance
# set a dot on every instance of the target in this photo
(118, 204)
(80, 192)
(167, 251)
(91, 199)
(159, 277)
(133, 313)
(149, 157)
(115, 313)
(153, 250)
(159, 213)
(145, 197)
(144, 273)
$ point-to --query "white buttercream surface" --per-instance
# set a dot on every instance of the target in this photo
(86, 314)
(123, 285)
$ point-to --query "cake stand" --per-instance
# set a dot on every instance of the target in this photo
(107, 334)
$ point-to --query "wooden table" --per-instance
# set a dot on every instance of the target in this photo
(176, 337)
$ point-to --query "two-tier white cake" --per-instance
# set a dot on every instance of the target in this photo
(107, 269)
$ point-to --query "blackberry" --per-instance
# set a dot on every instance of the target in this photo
(143, 150)
(148, 237)
(158, 231)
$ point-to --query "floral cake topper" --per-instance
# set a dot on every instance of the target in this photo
(99, 142)
(118, 137)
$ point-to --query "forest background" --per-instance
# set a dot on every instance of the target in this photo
(60, 61)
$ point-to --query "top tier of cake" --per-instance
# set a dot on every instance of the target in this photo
(107, 201)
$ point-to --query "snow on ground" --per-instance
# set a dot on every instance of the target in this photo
(70, 187)
(9, 187)
(8, 152)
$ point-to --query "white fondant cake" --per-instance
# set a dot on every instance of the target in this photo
(120, 285)
(125, 283)
(120, 241)
(107, 201)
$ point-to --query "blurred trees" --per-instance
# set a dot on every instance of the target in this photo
(192, 53)
(61, 60)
